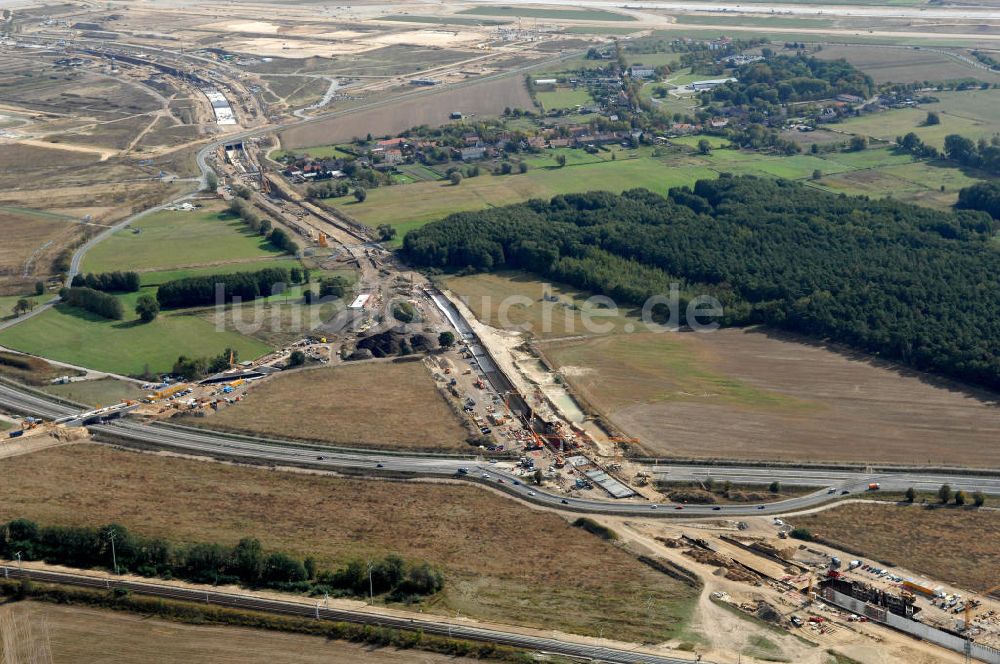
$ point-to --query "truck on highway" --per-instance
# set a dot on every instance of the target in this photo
(874, 486)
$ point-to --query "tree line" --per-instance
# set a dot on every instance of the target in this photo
(94, 301)
(247, 563)
(113, 282)
(982, 196)
(888, 278)
(222, 288)
(262, 226)
(981, 154)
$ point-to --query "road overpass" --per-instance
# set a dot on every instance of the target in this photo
(833, 483)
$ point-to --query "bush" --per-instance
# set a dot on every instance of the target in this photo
(802, 534)
(147, 308)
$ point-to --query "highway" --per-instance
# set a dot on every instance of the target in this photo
(833, 484)
(316, 611)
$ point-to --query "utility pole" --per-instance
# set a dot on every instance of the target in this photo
(19, 568)
(114, 558)
(371, 587)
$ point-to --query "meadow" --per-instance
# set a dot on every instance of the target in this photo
(174, 239)
(535, 12)
(503, 568)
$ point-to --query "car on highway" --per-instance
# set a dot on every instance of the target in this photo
(319, 458)
(378, 465)
(679, 507)
(564, 501)
(716, 508)
(760, 507)
(653, 507)
(844, 492)
(531, 493)
(516, 483)
(463, 471)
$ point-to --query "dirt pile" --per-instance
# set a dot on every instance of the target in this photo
(394, 342)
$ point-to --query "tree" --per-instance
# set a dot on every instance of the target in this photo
(23, 306)
(709, 484)
(360, 194)
(959, 498)
(775, 487)
(456, 178)
(978, 498)
(386, 232)
(817, 174)
(538, 476)
(211, 181)
(704, 146)
(932, 119)
(147, 308)
(506, 168)
(39, 288)
(522, 167)
(446, 339)
(561, 160)
(858, 143)
(911, 495)
(944, 493)
(296, 359)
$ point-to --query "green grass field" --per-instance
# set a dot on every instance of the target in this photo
(408, 206)
(317, 152)
(535, 12)
(97, 393)
(653, 59)
(127, 346)
(766, 21)
(598, 30)
(157, 277)
(441, 20)
(564, 98)
(8, 302)
(168, 240)
(971, 113)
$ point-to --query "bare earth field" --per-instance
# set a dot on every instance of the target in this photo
(753, 395)
(30, 241)
(502, 561)
(375, 404)
(78, 635)
(912, 536)
(489, 98)
(905, 65)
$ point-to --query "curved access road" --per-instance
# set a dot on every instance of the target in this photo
(315, 611)
(366, 462)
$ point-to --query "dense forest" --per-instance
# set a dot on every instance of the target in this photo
(904, 282)
(789, 78)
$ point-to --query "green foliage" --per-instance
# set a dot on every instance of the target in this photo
(147, 308)
(247, 563)
(790, 78)
(211, 181)
(774, 487)
(94, 301)
(984, 154)
(283, 241)
(978, 498)
(944, 493)
(296, 359)
(360, 194)
(455, 178)
(932, 119)
(802, 534)
(112, 282)
(446, 339)
(190, 368)
(404, 312)
(335, 286)
(39, 288)
(911, 495)
(959, 498)
(879, 276)
(982, 196)
(387, 232)
(594, 528)
(221, 288)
